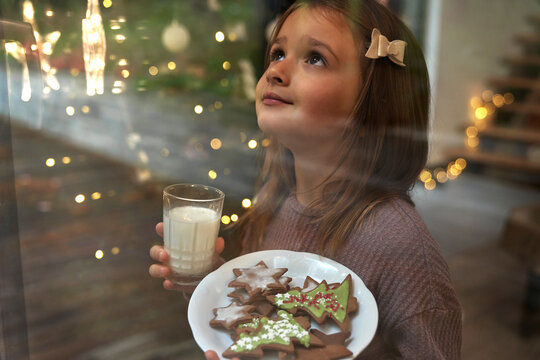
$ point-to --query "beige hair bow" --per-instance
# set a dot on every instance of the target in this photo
(381, 47)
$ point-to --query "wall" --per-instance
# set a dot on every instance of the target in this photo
(474, 36)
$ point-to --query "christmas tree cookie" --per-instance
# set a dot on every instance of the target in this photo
(323, 301)
(273, 334)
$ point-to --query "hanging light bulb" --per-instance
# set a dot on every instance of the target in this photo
(94, 47)
(45, 45)
(16, 50)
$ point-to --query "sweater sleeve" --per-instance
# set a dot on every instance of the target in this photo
(433, 334)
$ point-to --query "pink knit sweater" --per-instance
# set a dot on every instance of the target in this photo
(401, 264)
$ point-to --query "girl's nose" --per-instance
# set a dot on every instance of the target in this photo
(277, 73)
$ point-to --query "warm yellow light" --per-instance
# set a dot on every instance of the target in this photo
(476, 102)
(116, 91)
(165, 152)
(28, 10)
(225, 219)
(425, 175)
(46, 48)
(50, 162)
(215, 144)
(171, 65)
(440, 175)
(226, 65)
(115, 250)
(74, 72)
(212, 174)
(120, 38)
(471, 131)
(508, 98)
(122, 62)
(265, 142)
(234, 217)
(252, 144)
(487, 95)
(490, 108)
(99, 254)
(473, 142)
(218, 104)
(430, 184)
(85, 109)
(498, 100)
(451, 176)
(246, 203)
(96, 195)
(79, 198)
(11, 47)
(481, 113)
(153, 70)
(461, 164)
(70, 110)
(107, 3)
(454, 170)
(49, 13)
(481, 124)
(198, 109)
(94, 48)
(220, 36)
(125, 73)
(66, 160)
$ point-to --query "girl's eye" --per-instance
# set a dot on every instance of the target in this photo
(277, 55)
(316, 59)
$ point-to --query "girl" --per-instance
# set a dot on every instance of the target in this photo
(346, 109)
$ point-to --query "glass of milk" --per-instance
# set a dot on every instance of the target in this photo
(191, 217)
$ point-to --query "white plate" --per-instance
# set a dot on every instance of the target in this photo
(212, 293)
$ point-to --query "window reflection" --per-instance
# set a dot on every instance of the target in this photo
(141, 94)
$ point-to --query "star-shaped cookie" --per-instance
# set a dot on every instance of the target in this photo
(258, 279)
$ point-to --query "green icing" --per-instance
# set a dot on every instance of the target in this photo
(278, 331)
(318, 301)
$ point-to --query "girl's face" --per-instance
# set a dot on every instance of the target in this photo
(308, 91)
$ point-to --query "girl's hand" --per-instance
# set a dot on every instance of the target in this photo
(212, 355)
(162, 271)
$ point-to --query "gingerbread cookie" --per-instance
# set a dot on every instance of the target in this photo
(232, 315)
(321, 302)
(273, 334)
(258, 279)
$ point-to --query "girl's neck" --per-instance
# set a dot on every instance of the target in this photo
(312, 172)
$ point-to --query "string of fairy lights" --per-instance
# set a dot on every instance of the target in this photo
(481, 108)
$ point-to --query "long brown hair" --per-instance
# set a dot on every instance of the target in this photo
(384, 147)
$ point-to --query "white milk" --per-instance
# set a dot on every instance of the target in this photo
(189, 234)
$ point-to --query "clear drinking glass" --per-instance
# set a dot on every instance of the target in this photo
(191, 217)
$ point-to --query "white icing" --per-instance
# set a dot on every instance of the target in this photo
(230, 313)
(258, 277)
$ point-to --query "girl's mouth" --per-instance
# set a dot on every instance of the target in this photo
(271, 98)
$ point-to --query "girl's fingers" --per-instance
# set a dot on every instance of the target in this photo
(186, 289)
(159, 229)
(158, 271)
(220, 245)
(159, 254)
